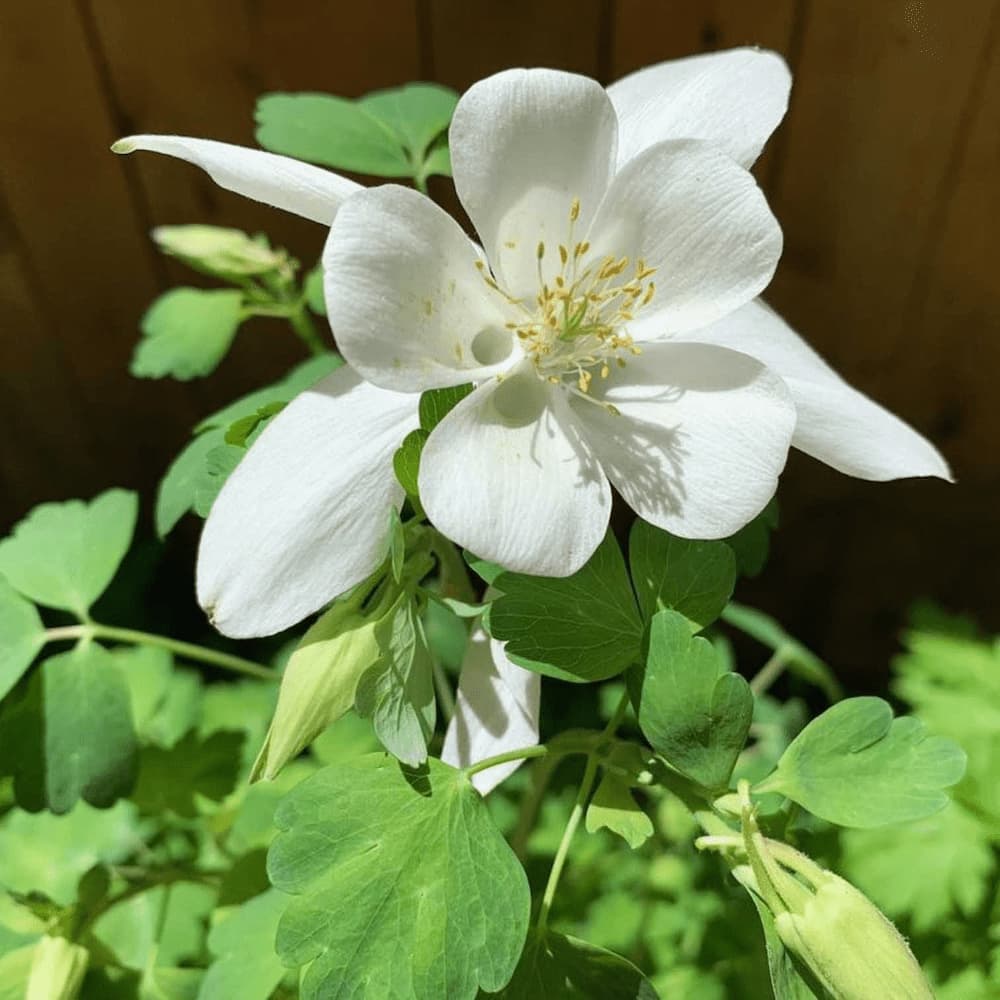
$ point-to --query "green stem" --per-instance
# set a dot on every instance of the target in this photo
(771, 671)
(187, 650)
(579, 807)
(304, 326)
(522, 753)
(420, 182)
(443, 687)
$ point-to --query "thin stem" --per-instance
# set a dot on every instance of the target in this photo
(522, 753)
(586, 786)
(303, 325)
(420, 182)
(443, 687)
(188, 650)
(771, 671)
(579, 806)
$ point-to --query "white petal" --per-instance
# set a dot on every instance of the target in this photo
(280, 181)
(735, 99)
(507, 475)
(524, 144)
(406, 302)
(306, 514)
(836, 424)
(701, 438)
(496, 710)
(688, 210)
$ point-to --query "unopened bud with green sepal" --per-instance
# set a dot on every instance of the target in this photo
(57, 970)
(850, 946)
(318, 684)
(832, 928)
(224, 253)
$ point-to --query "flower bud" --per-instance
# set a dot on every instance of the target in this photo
(318, 684)
(851, 948)
(57, 970)
(225, 253)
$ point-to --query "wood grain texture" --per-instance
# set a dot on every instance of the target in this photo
(83, 272)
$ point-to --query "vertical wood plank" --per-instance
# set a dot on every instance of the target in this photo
(69, 202)
(881, 102)
(470, 39)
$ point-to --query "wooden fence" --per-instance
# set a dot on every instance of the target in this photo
(884, 176)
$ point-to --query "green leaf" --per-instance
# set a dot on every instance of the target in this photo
(244, 432)
(583, 627)
(406, 460)
(246, 965)
(856, 766)
(176, 493)
(40, 852)
(71, 735)
(22, 635)
(303, 376)
(613, 807)
(187, 332)
(64, 555)
(313, 289)
(90, 742)
(691, 708)
(438, 161)
(164, 923)
(436, 404)
(952, 844)
(419, 112)
(397, 692)
(693, 578)
(220, 464)
(752, 543)
(430, 900)
(174, 779)
(786, 980)
(554, 965)
(768, 632)
(333, 131)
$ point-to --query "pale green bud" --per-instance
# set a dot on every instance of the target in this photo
(57, 970)
(227, 253)
(851, 948)
(318, 684)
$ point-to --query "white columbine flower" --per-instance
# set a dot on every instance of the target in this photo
(610, 322)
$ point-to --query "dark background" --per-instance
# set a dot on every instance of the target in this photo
(885, 177)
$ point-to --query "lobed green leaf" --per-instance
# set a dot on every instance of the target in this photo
(693, 711)
(857, 766)
(187, 332)
(64, 555)
(584, 627)
(693, 578)
(429, 899)
(22, 635)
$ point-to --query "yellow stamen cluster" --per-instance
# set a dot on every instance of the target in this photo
(576, 329)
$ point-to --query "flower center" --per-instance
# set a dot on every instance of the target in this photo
(575, 330)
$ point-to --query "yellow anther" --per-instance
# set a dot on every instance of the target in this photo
(613, 410)
(605, 370)
(554, 379)
(563, 254)
(574, 210)
(650, 292)
(540, 250)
